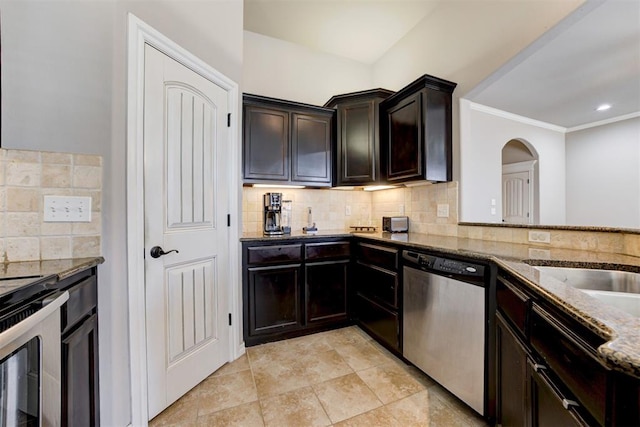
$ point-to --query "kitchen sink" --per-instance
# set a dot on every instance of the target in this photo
(620, 289)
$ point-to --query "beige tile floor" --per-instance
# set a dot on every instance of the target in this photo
(339, 378)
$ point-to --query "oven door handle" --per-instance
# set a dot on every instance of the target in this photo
(17, 330)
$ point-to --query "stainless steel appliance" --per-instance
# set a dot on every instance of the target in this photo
(272, 214)
(30, 360)
(395, 224)
(444, 323)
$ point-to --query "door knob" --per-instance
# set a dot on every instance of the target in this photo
(157, 252)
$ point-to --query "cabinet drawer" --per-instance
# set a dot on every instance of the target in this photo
(378, 256)
(380, 322)
(83, 298)
(274, 254)
(513, 304)
(549, 406)
(325, 250)
(377, 284)
(575, 365)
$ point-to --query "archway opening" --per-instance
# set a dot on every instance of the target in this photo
(520, 194)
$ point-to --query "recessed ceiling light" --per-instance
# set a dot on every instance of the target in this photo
(603, 107)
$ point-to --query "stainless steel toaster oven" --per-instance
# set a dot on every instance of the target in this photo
(395, 224)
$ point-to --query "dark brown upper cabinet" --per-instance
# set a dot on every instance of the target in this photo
(416, 132)
(286, 142)
(358, 136)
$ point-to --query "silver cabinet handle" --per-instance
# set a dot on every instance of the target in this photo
(538, 367)
(569, 403)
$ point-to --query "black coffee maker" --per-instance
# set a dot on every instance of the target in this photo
(272, 214)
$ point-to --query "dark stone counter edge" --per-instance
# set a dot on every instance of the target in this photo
(84, 263)
(59, 268)
(553, 227)
(626, 360)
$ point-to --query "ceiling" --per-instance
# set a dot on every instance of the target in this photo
(362, 30)
(590, 58)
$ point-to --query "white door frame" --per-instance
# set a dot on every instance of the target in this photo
(139, 34)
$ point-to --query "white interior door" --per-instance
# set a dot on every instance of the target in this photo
(185, 164)
(515, 198)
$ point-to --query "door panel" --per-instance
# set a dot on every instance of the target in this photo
(191, 307)
(515, 198)
(186, 202)
(191, 178)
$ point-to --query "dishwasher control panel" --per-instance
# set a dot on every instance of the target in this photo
(443, 265)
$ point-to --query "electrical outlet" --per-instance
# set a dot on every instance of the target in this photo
(67, 209)
(539, 236)
(347, 210)
(539, 253)
(401, 209)
(443, 211)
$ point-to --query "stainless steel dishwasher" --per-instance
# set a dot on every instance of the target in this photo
(444, 323)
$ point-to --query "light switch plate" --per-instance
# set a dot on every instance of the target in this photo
(67, 209)
(443, 211)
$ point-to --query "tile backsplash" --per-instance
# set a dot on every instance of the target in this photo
(25, 178)
(421, 204)
(330, 207)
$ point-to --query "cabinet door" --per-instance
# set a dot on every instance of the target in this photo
(512, 378)
(404, 140)
(357, 149)
(274, 299)
(80, 400)
(326, 291)
(311, 148)
(266, 144)
(437, 135)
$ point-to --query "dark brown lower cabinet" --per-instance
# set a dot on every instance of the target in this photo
(511, 358)
(79, 323)
(548, 369)
(294, 287)
(326, 291)
(377, 297)
(382, 323)
(80, 375)
(274, 299)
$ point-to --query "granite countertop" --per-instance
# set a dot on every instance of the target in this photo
(259, 237)
(16, 275)
(620, 329)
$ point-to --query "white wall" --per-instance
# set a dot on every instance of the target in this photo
(465, 41)
(285, 70)
(64, 89)
(483, 135)
(603, 175)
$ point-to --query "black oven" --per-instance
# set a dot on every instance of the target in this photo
(30, 368)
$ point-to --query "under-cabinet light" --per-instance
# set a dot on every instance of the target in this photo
(378, 187)
(276, 186)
